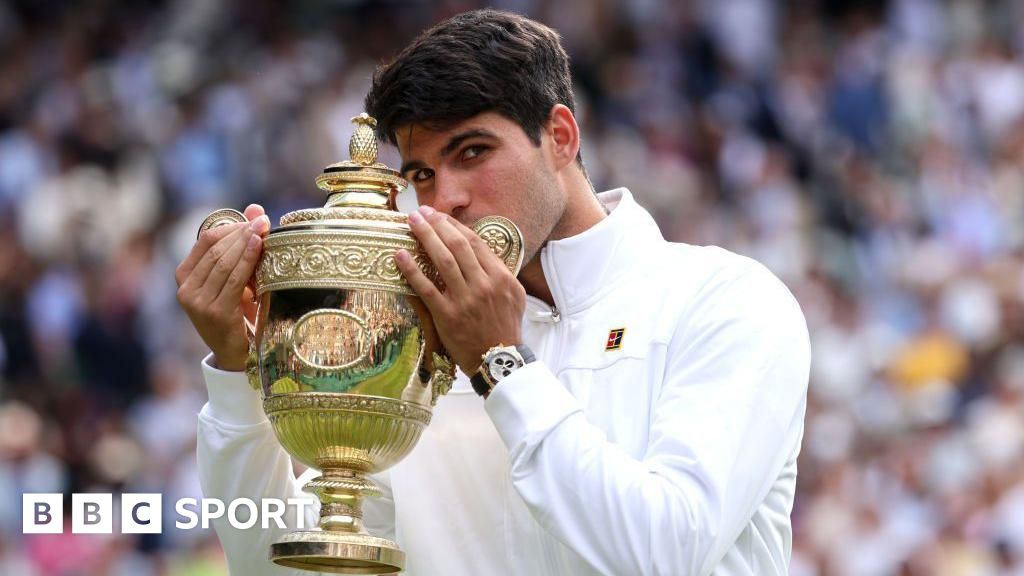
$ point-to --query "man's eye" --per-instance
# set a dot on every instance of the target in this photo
(472, 152)
(422, 175)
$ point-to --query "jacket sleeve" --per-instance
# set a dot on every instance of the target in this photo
(727, 416)
(239, 457)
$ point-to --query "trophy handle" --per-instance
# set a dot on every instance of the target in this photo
(223, 217)
(442, 377)
(504, 238)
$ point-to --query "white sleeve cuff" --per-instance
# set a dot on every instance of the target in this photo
(232, 400)
(528, 404)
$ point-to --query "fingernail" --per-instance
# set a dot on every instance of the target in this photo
(254, 242)
(415, 218)
(426, 210)
(402, 256)
(260, 224)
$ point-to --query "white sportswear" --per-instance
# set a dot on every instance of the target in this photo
(674, 454)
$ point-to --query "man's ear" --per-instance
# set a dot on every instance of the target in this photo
(565, 135)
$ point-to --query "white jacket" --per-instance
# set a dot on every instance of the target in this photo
(675, 454)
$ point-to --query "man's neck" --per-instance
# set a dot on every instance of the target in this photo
(582, 211)
(532, 278)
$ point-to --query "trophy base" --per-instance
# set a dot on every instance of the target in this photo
(338, 553)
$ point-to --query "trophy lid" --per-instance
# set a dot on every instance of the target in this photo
(354, 185)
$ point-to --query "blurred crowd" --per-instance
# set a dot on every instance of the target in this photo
(870, 153)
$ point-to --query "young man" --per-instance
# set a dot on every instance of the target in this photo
(657, 429)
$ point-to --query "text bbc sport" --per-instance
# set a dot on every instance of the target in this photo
(93, 513)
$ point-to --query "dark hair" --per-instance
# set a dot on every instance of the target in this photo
(475, 62)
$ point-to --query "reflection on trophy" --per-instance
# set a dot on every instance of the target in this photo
(344, 353)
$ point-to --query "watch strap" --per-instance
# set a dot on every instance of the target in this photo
(526, 353)
(480, 384)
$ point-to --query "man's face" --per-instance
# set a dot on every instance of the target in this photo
(485, 165)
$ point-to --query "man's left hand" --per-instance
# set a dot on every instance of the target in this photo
(482, 305)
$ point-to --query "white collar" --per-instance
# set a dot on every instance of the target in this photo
(580, 269)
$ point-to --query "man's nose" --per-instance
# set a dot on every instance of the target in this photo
(451, 198)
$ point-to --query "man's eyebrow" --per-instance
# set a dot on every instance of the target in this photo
(461, 137)
(450, 147)
(411, 165)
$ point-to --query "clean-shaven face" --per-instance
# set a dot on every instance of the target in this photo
(485, 165)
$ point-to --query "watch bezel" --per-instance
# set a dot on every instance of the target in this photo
(496, 354)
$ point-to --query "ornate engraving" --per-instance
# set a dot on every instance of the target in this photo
(442, 378)
(362, 147)
(363, 259)
(361, 214)
(317, 401)
(221, 217)
(503, 238)
(336, 259)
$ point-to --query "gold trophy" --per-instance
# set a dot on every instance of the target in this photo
(344, 352)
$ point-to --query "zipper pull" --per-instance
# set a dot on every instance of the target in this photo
(552, 316)
(556, 316)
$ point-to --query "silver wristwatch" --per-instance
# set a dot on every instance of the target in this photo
(498, 363)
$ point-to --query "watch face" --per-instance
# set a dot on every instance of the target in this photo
(501, 364)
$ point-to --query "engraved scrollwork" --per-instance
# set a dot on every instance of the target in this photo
(307, 401)
(358, 259)
(316, 261)
(344, 213)
(334, 260)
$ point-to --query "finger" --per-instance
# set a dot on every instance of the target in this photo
(458, 245)
(488, 260)
(261, 225)
(200, 274)
(253, 211)
(419, 282)
(234, 287)
(259, 219)
(206, 240)
(223, 268)
(438, 253)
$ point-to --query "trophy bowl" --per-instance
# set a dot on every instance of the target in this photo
(343, 352)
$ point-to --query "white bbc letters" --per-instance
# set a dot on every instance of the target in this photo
(92, 513)
(42, 513)
(141, 513)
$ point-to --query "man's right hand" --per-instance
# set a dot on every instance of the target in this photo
(213, 286)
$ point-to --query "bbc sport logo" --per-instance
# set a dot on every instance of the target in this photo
(93, 513)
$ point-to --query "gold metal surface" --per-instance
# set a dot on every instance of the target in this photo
(360, 215)
(336, 258)
(344, 353)
(220, 218)
(358, 433)
(363, 256)
(503, 238)
(337, 553)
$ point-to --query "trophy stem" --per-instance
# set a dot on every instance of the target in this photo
(340, 545)
(341, 492)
